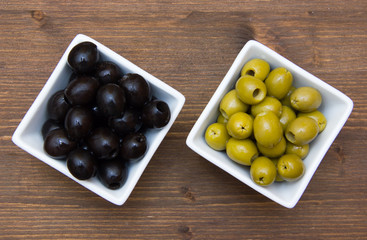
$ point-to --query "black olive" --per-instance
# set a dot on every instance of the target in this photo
(99, 118)
(57, 144)
(129, 122)
(50, 125)
(156, 114)
(112, 173)
(57, 106)
(137, 89)
(73, 76)
(103, 143)
(81, 164)
(107, 72)
(82, 144)
(83, 57)
(111, 100)
(78, 122)
(82, 90)
(133, 146)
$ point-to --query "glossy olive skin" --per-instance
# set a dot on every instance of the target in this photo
(50, 125)
(290, 167)
(81, 164)
(137, 89)
(263, 171)
(318, 117)
(216, 136)
(258, 68)
(57, 144)
(242, 151)
(231, 104)
(82, 90)
(306, 99)
(286, 101)
(240, 125)
(57, 106)
(156, 114)
(267, 129)
(250, 90)
(113, 173)
(268, 104)
(78, 122)
(302, 130)
(279, 82)
(300, 150)
(129, 122)
(222, 119)
(107, 72)
(133, 146)
(99, 118)
(103, 143)
(287, 116)
(111, 100)
(274, 152)
(278, 178)
(83, 57)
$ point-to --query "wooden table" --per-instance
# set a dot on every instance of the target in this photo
(190, 45)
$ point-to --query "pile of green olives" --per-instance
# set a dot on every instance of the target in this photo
(267, 123)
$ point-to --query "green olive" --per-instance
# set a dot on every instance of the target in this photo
(222, 119)
(216, 136)
(242, 151)
(301, 130)
(240, 125)
(287, 116)
(257, 68)
(278, 177)
(306, 99)
(290, 167)
(318, 117)
(268, 104)
(286, 101)
(263, 171)
(279, 82)
(273, 152)
(267, 129)
(300, 150)
(250, 90)
(231, 104)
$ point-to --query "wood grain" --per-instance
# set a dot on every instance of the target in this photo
(190, 45)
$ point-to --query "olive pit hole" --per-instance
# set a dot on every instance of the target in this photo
(291, 137)
(256, 93)
(250, 72)
(223, 113)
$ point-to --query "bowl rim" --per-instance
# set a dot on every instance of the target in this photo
(19, 132)
(198, 128)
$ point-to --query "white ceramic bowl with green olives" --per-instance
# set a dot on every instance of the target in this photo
(285, 108)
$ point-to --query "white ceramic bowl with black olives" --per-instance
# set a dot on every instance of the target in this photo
(87, 120)
(335, 106)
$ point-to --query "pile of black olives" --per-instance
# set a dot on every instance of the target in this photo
(98, 122)
(267, 123)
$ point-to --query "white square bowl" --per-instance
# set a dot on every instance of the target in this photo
(335, 106)
(28, 134)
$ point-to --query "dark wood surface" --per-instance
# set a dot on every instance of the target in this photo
(190, 45)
